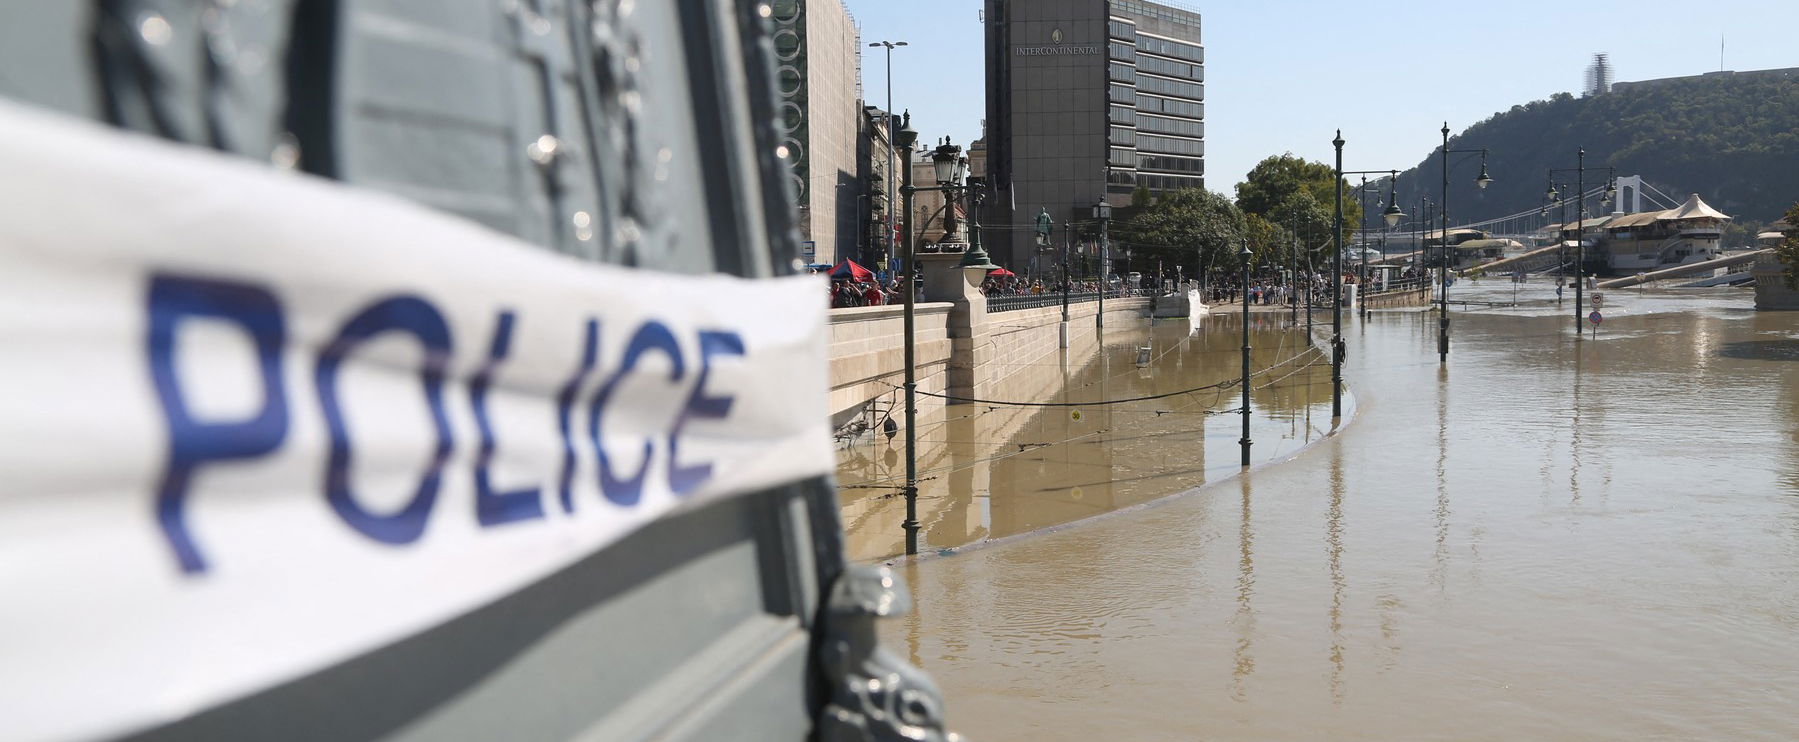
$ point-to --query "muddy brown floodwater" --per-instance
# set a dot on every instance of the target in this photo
(988, 471)
(1549, 539)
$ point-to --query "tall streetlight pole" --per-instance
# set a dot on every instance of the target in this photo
(1293, 252)
(1580, 214)
(905, 138)
(949, 167)
(1337, 288)
(1481, 181)
(1244, 381)
(893, 146)
(1392, 216)
(1102, 211)
(1361, 292)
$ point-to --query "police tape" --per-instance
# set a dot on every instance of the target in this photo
(257, 424)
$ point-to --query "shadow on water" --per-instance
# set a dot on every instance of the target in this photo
(1761, 350)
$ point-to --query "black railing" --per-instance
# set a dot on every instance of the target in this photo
(1402, 285)
(1010, 302)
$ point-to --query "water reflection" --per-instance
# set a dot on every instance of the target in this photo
(990, 470)
(1333, 539)
(1245, 620)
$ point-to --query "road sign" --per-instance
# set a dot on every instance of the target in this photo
(1595, 318)
(1598, 301)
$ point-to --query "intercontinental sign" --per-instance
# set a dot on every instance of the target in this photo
(1056, 49)
(1045, 51)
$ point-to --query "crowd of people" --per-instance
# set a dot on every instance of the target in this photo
(1311, 288)
(867, 293)
(1315, 286)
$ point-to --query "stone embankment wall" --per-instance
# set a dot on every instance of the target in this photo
(1410, 298)
(962, 350)
(867, 355)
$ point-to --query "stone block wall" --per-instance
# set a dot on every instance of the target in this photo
(867, 355)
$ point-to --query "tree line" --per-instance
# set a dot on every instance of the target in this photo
(1283, 213)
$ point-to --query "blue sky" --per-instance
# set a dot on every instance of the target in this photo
(1282, 76)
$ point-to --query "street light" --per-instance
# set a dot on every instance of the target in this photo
(1480, 181)
(1392, 215)
(1102, 211)
(905, 138)
(1580, 213)
(943, 163)
(1244, 382)
(949, 166)
(893, 143)
(1336, 295)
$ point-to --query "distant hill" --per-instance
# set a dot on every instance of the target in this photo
(1732, 139)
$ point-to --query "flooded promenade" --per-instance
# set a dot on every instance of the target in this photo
(993, 470)
(1549, 539)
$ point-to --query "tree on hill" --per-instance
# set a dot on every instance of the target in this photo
(1730, 139)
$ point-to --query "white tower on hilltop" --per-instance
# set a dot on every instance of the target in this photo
(1599, 75)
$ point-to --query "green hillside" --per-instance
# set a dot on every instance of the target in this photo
(1732, 139)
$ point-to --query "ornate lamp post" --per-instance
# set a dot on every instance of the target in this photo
(1337, 349)
(1481, 181)
(949, 168)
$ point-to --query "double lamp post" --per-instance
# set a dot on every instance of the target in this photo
(1392, 215)
(951, 170)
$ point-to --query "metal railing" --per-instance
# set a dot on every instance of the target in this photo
(1401, 286)
(1008, 303)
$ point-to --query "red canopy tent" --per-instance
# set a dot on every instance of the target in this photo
(1001, 272)
(848, 270)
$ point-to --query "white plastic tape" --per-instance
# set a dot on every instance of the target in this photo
(256, 424)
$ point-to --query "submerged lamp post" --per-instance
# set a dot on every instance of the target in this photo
(1337, 347)
(949, 168)
(1580, 218)
(904, 139)
(1392, 214)
(1244, 442)
(1481, 181)
(1102, 212)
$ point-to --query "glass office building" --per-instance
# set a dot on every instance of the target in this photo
(1087, 99)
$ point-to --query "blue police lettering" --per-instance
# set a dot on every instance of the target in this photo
(415, 316)
(652, 335)
(195, 443)
(685, 479)
(192, 443)
(565, 405)
(494, 508)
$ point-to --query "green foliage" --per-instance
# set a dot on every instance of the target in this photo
(1730, 139)
(1140, 197)
(1788, 249)
(1191, 227)
(1297, 193)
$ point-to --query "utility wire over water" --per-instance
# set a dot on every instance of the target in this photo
(1550, 538)
(1110, 435)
